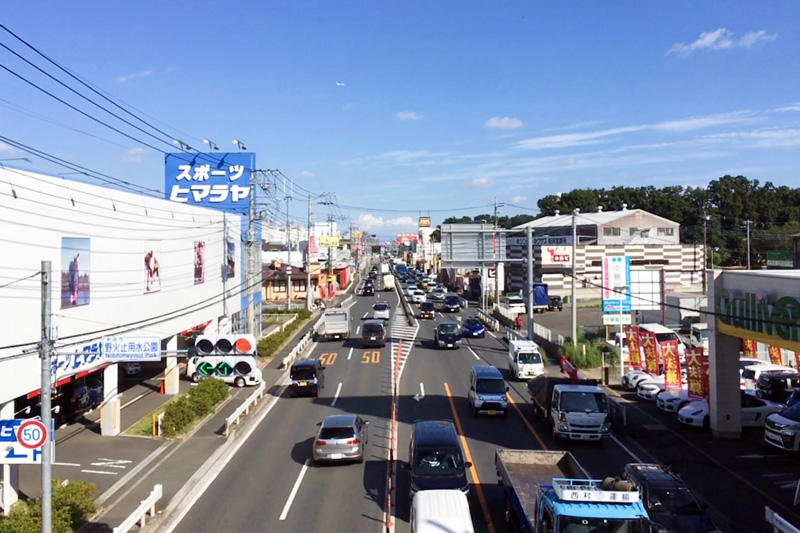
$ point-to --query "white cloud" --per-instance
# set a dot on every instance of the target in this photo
(503, 123)
(518, 199)
(377, 224)
(768, 138)
(348, 106)
(340, 84)
(720, 39)
(305, 174)
(124, 78)
(134, 155)
(482, 182)
(791, 107)
(405, 116)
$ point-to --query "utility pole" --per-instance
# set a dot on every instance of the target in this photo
(250, 326)
(330, 255)
(529, 266)
(47, 447)
(288, 260)
(225, 266)
(494, 256)
(309, 290)
(705, 250)
(574, 278)
(747, 222)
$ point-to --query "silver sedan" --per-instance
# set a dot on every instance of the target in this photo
(340, 438)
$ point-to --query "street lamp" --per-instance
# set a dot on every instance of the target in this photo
(13, 191)
(182, 145)
(240, 144)
(211, 145)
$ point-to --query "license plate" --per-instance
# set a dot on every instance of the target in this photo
(302, 384)
(492, 412)
(530, 372)
(449, 345)
(373, 338)
(336, 456)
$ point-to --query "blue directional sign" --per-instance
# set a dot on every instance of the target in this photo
(21, 440)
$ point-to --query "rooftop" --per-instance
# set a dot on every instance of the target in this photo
(590, 218)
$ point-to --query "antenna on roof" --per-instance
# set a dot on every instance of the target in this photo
(557, 212)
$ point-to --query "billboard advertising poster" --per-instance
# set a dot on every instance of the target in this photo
(774, 354)
(199, 261)
(749, 348)
(697, 373)
(648, 341)
(218, 180)
(75, 269)
(616, 284)
(424, 222)
(230, 259)
(556, 255)
(632, 332)
(152, 268)
(672, 365)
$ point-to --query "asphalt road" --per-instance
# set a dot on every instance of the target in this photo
(272, 485)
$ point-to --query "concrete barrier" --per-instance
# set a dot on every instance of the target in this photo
(146, 506)
(489, 320)
(244, 408)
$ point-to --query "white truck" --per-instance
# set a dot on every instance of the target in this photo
(388, 282)
(384, 268)
(576, 409)
(335, 324)
(698, 336)
(524, 359)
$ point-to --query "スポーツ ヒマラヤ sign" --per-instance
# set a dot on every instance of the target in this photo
(217, 179)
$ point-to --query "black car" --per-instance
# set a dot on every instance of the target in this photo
(435, 458)
(447, 335)
(555, 303)
(777, 385)
(368, 290)
(308, 376)
(669, 502)
(451, 303)
(426, 310)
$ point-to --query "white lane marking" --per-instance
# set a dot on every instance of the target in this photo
(365, 314)
(357, 329)
(124, 405)
(66, 464)
(615, 439)
(336, 396)
(458, 317)
(112, 463)
(350, 353)
(422, 390)
(294, 491)
(100, 472)
(492, 334)
(478, 358)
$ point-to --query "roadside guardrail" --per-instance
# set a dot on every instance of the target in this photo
(146, 506)
(244, 408)
(778, 522)
(489, 320)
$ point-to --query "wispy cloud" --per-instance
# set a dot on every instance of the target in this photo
(791, 107)
(502, 123)
(518, 199)
(377, 224)
(765, 138)
(125, 78)
(340, 84)
(482, 182)
(720, 39)
(405, 116)
(134, 155)
(348, 106)
(5, 148)
(305, 174)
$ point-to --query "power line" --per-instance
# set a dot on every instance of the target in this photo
(19, 279)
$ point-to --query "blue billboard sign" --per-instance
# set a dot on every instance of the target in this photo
(220, 180)
(616, 287)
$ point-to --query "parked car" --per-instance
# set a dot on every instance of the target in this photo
(132, 369)
(373, 333)
(447, 335)
(669, 502)
(381, 311)
(633, 377)
(777, 385)
(672, 400)
(555, 304)
(340, 438)
(744, 362)
(473, 327)
(754, 411)
(751, 373)
(426, 310)
(782, 430)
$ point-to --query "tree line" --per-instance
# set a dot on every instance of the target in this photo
(724, 208)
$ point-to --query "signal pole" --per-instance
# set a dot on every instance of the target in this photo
(288, 260)
(574, 278)
(44, 393)
(747, 222)
(309, 290)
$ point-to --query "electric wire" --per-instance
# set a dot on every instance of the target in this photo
(3, 286)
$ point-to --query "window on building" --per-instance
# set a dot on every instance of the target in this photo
(645, 233)
(668, 232)
(611, 232)
(299, 285)
(279, 286)
(633, 231)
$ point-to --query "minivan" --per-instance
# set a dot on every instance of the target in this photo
(435, 458)
(308, 376)
(487, 391)
(373, 333)
(437, 511)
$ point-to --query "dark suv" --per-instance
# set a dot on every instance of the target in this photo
(435, 458)
(669, 502)
(555, 303)
(426, 310)
(777, 385)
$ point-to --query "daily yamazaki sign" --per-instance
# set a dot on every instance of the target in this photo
(771, 320)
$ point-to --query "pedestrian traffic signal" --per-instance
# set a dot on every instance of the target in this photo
(232, 344)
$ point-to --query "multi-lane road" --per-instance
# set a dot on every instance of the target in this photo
(271, 484)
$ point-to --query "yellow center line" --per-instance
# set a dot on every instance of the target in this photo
(525, 421)
(472, 471)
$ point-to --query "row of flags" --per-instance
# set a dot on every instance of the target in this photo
(647, 352)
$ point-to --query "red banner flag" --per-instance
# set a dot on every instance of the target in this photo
(649, 348)
(632, 333)
(697, 373)
(749, 348)
(672, 365)
(775, 356)
(797, 360)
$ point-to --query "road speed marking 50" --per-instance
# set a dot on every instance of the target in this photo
(32, 434)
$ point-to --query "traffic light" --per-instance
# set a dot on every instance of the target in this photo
(232, 344)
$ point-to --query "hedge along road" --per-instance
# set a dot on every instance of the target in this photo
(253, 491)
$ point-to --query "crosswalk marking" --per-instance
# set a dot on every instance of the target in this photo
(401, 331)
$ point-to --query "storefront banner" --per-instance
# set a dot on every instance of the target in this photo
(672, 365)
(649, 347)
(797, 359)
(775, 356)
(697, 373)
(749, 348)
(632, 333)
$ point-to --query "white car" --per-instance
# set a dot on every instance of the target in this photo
(438, 295)
(749, 374)
(409, 290)
(648, 389)
(132, 369)
(633, 377)
(754, 411)
(380, 311)
(672, 400)
(418, 296)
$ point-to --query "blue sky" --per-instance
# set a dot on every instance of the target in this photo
(402, 108)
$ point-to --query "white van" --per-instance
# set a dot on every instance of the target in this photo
(662, 334)
(750, 373)
(438, 510)
(524, 359)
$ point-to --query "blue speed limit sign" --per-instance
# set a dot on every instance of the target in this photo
(32, 434)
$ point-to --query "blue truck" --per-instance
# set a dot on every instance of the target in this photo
(549, 491)
(541, 298)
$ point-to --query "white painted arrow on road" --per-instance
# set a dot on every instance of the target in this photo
(421, 394)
